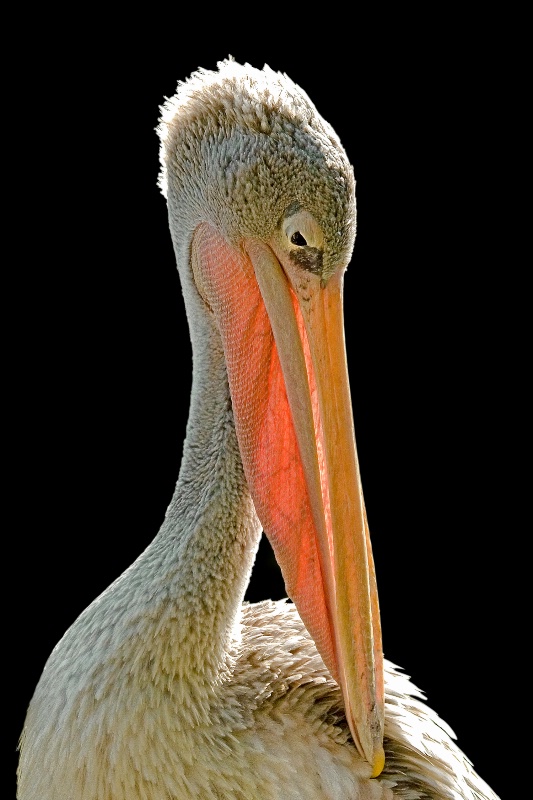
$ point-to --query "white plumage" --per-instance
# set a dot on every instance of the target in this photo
(168, 686)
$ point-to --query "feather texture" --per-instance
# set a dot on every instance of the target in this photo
(168, 686)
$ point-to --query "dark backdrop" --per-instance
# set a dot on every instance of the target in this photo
(103, 360)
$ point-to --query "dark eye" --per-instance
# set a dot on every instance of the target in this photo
(298, 239)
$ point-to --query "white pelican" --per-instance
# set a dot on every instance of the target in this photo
(167, 686)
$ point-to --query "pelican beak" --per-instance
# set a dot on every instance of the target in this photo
(282, 332)
(307, 322)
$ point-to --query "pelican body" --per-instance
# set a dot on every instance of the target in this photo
(168, 686)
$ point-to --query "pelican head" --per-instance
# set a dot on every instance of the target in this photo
(261, 200)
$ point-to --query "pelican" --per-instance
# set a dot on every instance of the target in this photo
(169, 686)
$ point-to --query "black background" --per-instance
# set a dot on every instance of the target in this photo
(102, 357)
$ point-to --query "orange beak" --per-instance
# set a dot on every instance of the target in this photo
(282, 331)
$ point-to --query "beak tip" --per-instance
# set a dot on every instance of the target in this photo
(379, 762)
(369, 743)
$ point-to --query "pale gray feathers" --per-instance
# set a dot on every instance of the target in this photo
(166, 687)
(241, 144)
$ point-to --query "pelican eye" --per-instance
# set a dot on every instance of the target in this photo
(303, 240)
(301, 229)
(298, 239)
